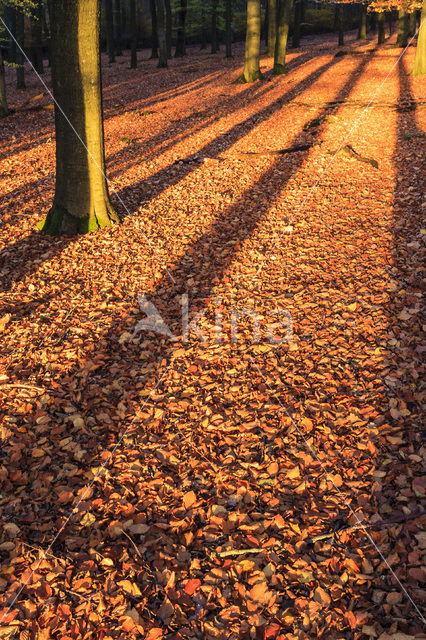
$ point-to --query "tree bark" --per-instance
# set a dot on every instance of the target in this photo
(154, 30)
(168, 28)
(20, 37)
(4, 111)
(362, 29)
(228, 28)
(381, 24)
(162, 43)
(412, 22)
(283, 24)
(420, 61)
(373, 22)
(10, 18)
(214, 43)
(272, 26)
(81, 201)
(402, 38)
(134, 35)
(251, 71)
(340, 22)
(203, 28)
(180, 50)
(117, 27)
(37, 39)
(109, 19)
(390, 22)
(296, 24)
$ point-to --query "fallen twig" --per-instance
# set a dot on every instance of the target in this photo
(22, 386)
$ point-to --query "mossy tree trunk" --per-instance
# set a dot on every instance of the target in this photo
(340, 25)
(362, 29)
(283, 24)
(20, 37)
(272, 26)
(296, 23)
(162, 43)
(228, 28)
(117, 27)
(402, 38)
(420, 61)
(4, 111)
(168, 28)
(133, 35)
(214, 43)
(81, 201)
(109, 19)
(251, 71)
(180, 50)
(412, 23)
(381, 25)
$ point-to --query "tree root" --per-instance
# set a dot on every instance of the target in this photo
(350, 152)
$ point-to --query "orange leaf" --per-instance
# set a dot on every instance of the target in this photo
(192, 586)
(154, 634)
(189, 499)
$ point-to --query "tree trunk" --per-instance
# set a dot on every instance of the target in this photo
(272, 26)
(180, 50)
(251, 71)
(109, 19)
(296, 24)
(154, 30)
(10, 17)
(283, 23)
(228, 27)
(4, 111)
(214, 48)
(162, 43)
(36, 39)
(20, 37)
(390, 22)
(81, 201)
(362, 29)
(341, 31)
(373, 22)
(381, 23)
(45, 9)
(134, 35)
(402, 37)
(420, 61)
(203, 28)
(117, 27)
(412, 22)
(168, 28)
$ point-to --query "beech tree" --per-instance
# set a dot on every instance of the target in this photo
(4, 111)
(81, 202)
(420, 61)
(251, 71)
(283, 25)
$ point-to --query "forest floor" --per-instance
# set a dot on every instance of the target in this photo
(132, 461)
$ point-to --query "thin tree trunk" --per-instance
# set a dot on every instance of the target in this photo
(10, 17)
(109, 19)
(412, 22)
(162, 43)
(420, 61)
(81, 201)
(214, 48)
(203, 28)
(373, 22)
(20, 37)
(4, 111)
(36, 39)
(117, 27)
(168, 28)
(272, 27)
(134, 35)
(296, 24)
(402, 37)
(390, 22)
(251, 71)
(283, 24)
(381, 24)
(154, 30)
(45, 9)
(228, 28)
(362, 29)
(341, 31)
(123, 24)
(180, 50)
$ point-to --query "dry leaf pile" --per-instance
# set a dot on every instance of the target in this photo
(178, 486)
